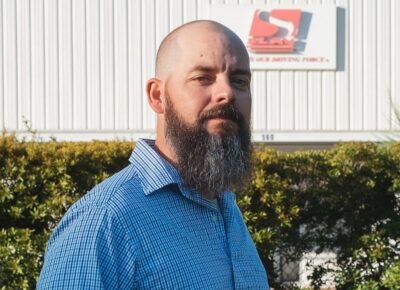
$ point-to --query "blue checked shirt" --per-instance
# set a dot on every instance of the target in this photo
(143, 229)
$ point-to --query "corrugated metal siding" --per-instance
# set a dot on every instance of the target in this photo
(81, 66)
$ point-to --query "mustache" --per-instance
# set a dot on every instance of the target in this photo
(227, 111)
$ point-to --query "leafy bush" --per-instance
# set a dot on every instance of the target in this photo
(21, 252)
(391, 277)
(343, 199)
(346, 199)
(38, 182)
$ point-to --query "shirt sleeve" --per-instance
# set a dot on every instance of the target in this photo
(89, 250)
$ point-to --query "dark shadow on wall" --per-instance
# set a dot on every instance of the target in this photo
(341, 39)
(303, 32)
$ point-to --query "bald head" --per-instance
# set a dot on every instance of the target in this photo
(202, 68)
(186, 37)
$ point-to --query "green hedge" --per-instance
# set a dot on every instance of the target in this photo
(344, 198)
(38, 182)
(347, 199)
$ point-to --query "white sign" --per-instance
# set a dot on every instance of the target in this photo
(283, 37)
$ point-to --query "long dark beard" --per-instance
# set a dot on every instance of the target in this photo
(211, 163)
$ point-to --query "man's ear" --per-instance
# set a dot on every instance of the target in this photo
(154, 93)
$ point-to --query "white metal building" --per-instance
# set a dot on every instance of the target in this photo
(76, 70)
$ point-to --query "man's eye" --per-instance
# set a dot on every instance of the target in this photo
(240, 82)
(203, 79)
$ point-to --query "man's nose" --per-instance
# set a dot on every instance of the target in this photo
(223, 91)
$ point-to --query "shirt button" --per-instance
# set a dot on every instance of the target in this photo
(214, 218)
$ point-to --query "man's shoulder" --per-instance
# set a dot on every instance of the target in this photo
(105, 204)
(122, 187)
(93, 238)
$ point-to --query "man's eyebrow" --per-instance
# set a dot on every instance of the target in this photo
(209, 69)
(202, 68)
(240, 71)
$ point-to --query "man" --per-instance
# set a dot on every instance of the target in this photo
(168, 220)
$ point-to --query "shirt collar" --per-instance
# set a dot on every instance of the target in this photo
(154, 171)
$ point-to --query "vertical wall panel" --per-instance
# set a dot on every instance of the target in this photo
(217, 1)
(107, 64)
(315, 94)
(328, 101)
(356, 64)
(136, 80)
(273, 94)
(38, 65)
(175, 14)
(255, 2)
(369, 64)
(93, 64)
(79, 64)
(202, 9)
(395, 61)
(246, 2)
(383, 65)
(121, 65)
(51, 64)
(259, 104)
(287, 93)
(149, 52)
(2, 97)
(342, 74)
(65, 62)
(273, 101)
(162, 20)
(315, 100)
(10, 65)
(189, 10)
(24, 62)
(300, 93)
(259, 95)
(287, 101)
(301, 100)
(328, 93)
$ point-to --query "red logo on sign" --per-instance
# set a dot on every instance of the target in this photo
(275, 31)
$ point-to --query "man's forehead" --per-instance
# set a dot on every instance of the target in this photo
(213, 55)
(204, 43)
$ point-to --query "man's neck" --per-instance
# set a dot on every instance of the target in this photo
(209, 196)
(163, 148)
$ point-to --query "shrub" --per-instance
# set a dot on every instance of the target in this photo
(38, 182)
(345, 199)
(391, 277)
